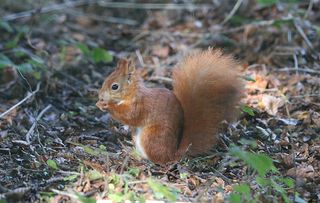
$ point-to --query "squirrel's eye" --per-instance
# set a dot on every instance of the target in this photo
(114, 86)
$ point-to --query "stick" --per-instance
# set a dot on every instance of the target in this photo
(309, 9)
(307, 70)
(153, 6)
(35, 123)
(233, 11)
(303, 35)
(47, 9)
(70, 4)
(20, 102)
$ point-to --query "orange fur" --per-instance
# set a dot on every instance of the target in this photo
(206, 91)
(208, 88)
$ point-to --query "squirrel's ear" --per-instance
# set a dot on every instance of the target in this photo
(126, 66)
(131, 66)
(122, 64)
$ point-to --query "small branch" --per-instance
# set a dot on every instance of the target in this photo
(63, 193)
(15, 192)
(35, 123)
(47, 9)
(71, 4)
(161, 79)
(303, 35)
(296, 63)
(20, 102)
(309, 9)
(306, 70)
(153, 6)
(233, 11)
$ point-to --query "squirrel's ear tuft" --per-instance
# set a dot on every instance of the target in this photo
(126, 66)
(122, 64)
(131, 66)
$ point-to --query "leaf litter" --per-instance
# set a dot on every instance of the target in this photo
(78, 152)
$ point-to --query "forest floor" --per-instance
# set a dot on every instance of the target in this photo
(56, 146)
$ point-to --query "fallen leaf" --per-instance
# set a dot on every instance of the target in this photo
(271, 104)
(161, 51)
(302, 171)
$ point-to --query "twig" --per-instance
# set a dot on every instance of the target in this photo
(125, 162)
(35, 123)
(65, 194)
(153, 6)
(140, 58)
(20, 102)
(161, 79)
(309, 9)
(71, 4)
(47, 9)
(18, 192)
(233, 11)
(108, 19)
(307, 70)
(296, 63)
(303, 35)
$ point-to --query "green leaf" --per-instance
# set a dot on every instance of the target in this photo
(183, 175)
(262, 181)
(251, 143)
(52, 164)
(6, 26)
(94, 175)
(235, 198)
(259, 162)
(242, 188)
(281, 190)
(249, 78)
(70, 178)
(288, 181)
(84, 199)
(25, 67)
(247, 110)
(102, 147)
(90, 151)
(117, 197)
(267, 2)
(161, 189)
(5, 62)
(114, 178)
(134, 171)
(84, 49)
(101, 55)
(14, 43)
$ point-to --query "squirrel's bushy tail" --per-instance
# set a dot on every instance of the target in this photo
(208, 88)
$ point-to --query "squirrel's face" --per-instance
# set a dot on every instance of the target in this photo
(118, 86)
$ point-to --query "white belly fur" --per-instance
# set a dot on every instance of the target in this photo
(139, 147)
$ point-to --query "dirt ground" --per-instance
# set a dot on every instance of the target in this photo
(57, 146)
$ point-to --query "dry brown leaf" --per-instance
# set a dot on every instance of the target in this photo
(315, 118)
(260, 83)
(84, 21)
(218, 198)
(302, 171)
(287, 159)
(271, 104)
(161, 51)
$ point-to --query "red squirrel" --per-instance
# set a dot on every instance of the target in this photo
(168, 124)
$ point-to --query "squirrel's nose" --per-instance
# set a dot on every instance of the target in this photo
(101, 104)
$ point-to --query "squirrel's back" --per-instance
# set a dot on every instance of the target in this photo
(208, 88)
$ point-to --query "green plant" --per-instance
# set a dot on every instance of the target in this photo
(268, 180)
(96, 54)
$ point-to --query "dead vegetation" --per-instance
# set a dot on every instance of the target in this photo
(55, 145)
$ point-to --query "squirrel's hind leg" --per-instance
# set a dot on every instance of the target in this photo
(156, 143)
